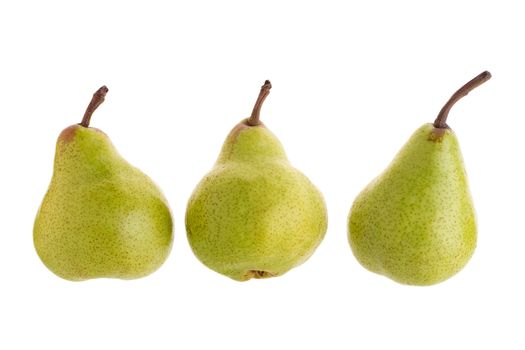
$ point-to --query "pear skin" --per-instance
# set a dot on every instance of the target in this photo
(101, 217)
(254, 215)
(415, 223)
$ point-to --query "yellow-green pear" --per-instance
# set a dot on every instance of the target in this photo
(101, 217)
(254, 215)
(415, 223)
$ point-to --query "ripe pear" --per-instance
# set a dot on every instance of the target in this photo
(254, 215)
(415, 223)
(101, 217)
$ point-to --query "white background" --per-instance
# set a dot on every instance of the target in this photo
(351, 83)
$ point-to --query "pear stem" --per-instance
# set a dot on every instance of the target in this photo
(98, 98)
(441, 120)
(265, 91)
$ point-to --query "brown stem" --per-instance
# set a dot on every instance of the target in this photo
(265, 91)
(441, 120)
(98, 98)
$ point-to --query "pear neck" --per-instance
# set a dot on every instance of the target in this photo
(251, 145)
(89, 153)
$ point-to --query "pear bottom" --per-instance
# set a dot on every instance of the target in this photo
(108, 232)
(255, 220)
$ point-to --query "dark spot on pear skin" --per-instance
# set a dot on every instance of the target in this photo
(257, 274)
(68, 134)
(436, 135)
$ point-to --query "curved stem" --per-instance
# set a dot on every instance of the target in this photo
(265, 91)
(441, 120)
(98, 98)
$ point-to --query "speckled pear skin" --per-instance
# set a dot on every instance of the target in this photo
(254, 215)
(101, 217)
(415, 223)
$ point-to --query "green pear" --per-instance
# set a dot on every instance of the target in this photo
(254, 215)
(101, 217)
(415, 223)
